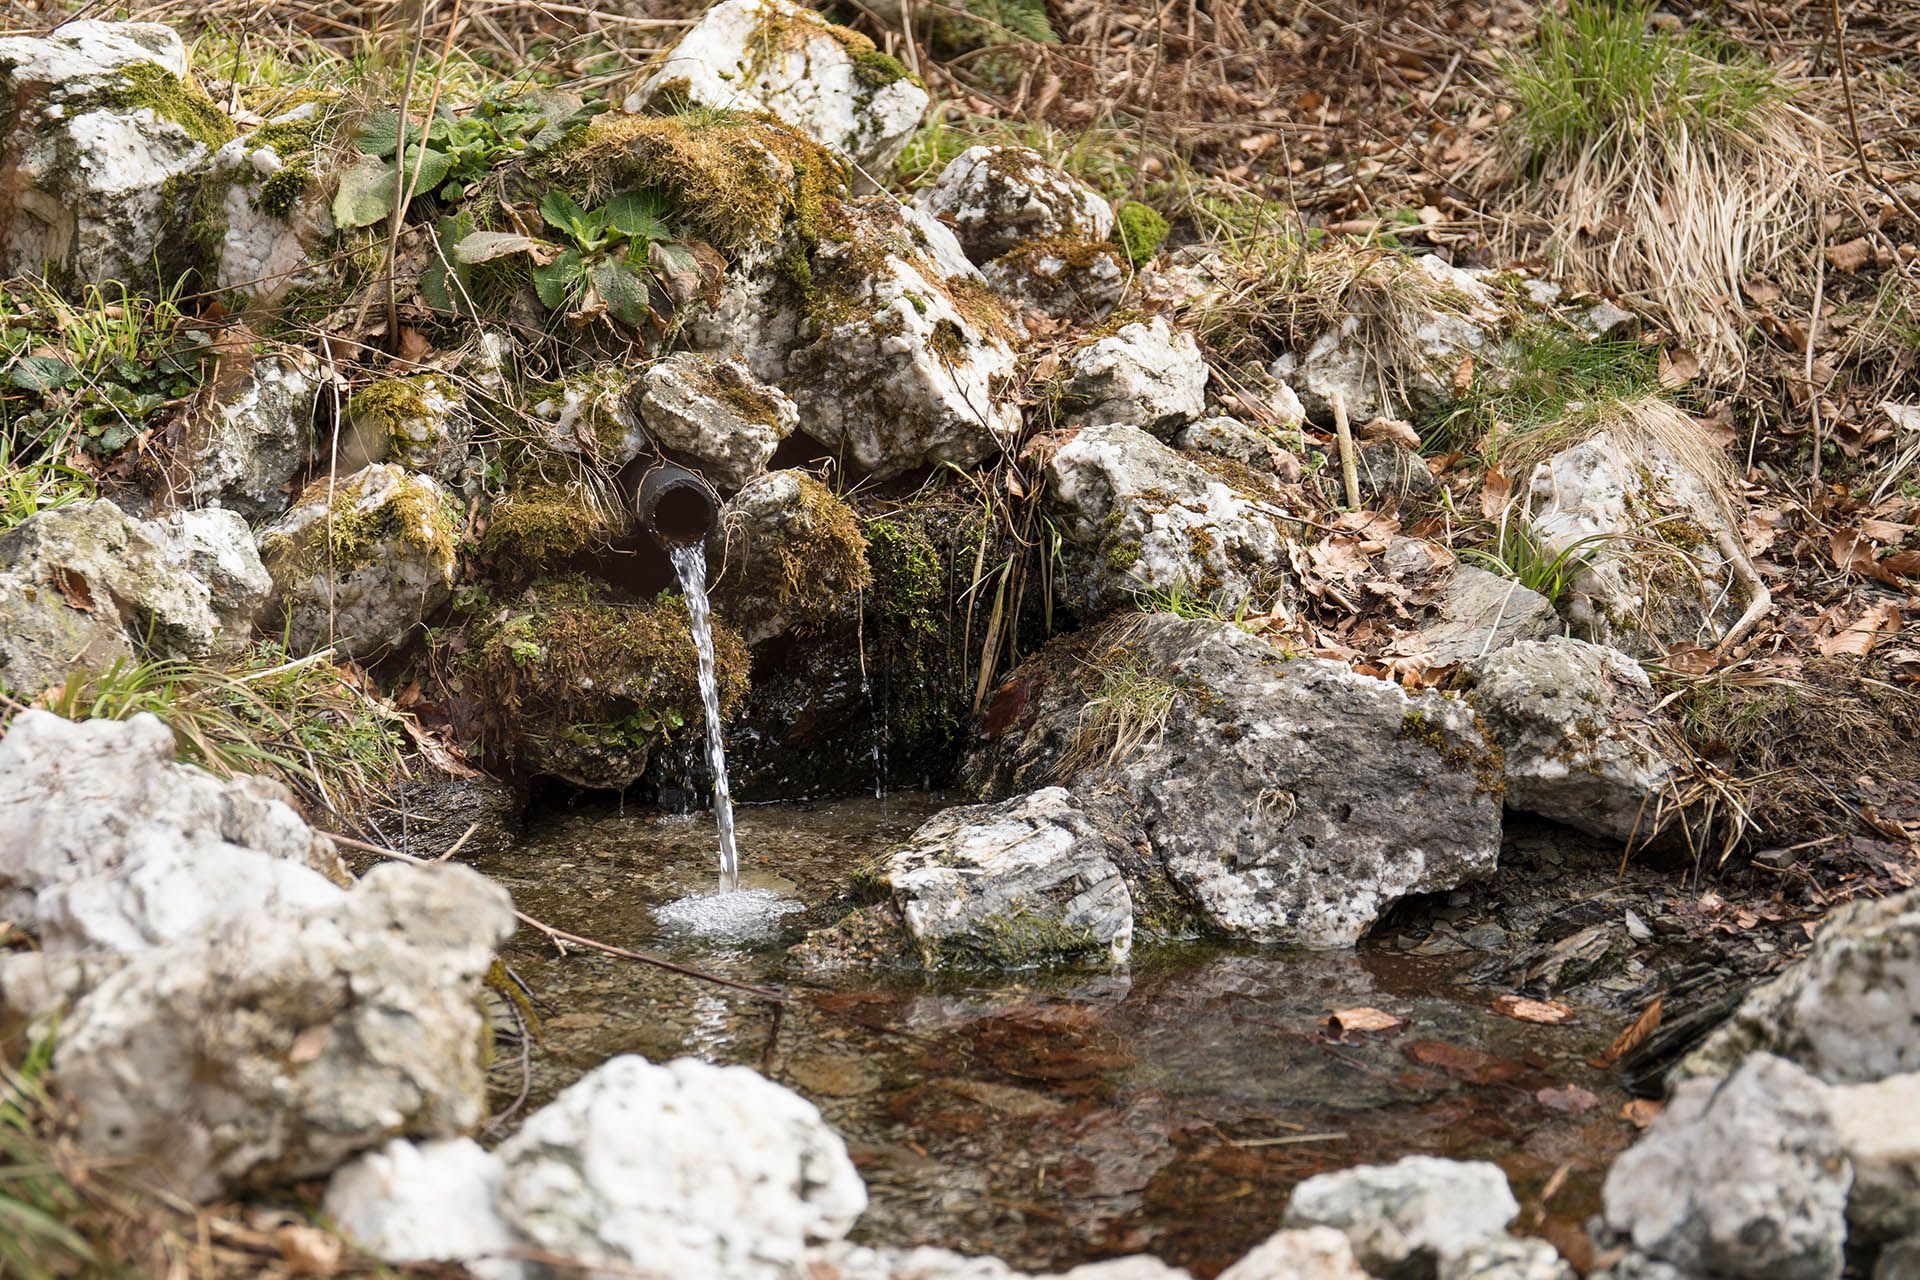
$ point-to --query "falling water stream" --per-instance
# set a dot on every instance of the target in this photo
(690, 562)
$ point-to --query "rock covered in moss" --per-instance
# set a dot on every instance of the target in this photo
(591, 413)
(583, 687)
(995, 198)
(1061, 277)
(107, 144)
(1583, 746)
(274, 214)
(1034, 880)
(828, 81)
(1648, 529)
(1135, 517)
(285, 1043)
(360, 561)
(904, 354)
(419, 422)
(792, 557)
(82, 586)
(1290, 800)
(712, 413)
(1146, 374)
(539, 525)
(257, 435)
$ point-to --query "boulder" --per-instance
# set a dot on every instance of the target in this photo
(86, 584)
(108, 143)
(1480, 614)
(711, 413)
(1899, 1260)
(426, 1202)
(1879, 1129)
(1849, 1011)
(1146, 374)
(1030, 881)
(995, 198)
(1583, 744)
(1292, 800)
(419, 422)
(360, 561)
(245, 449)
(275, 215)
(1063, 278)
(1648, 528)
(106, 843)
(1135, 517)
(285, 1043)
(1507, 1258)
(686, 1169)
(1304, 1253)
(792, 558)
(1408, 1219)
(827, 81)
(1737, 1177)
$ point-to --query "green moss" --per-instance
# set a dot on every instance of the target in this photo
(1078, 253)
(727, 383)
(172, 99)
(411, 514)
(949, 341)
(807, 569)
(876, 70)
(1020, 939)
(389, 401)
(534, 530)
(735, 179)
(1140, 231)
(296, 142)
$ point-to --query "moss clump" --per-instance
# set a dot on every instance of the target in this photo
(296, 142)
(1078, 253)
(726, 382)
(412, 513)
(737, 180)
(174, 100)
(802, 561)
(563, 663)
(1140, 231)
(388, 402)
(876, 70)
(533, 530)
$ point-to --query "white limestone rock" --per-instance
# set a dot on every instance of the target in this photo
(1146, 374)
(995, 198)
(426, 1202)
(244, 453)
(107, 144)
(1298, 1253)
(592, 413)
(365, 577)
(1879, 1128)
(712, 413)
(687, 1169)
(772, 56)
(283, 1044)
(1136, 516)
(420, 422)
(276, 213)
(1411, 1218)
(1065, 279)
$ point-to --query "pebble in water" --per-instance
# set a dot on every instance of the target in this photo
(690, 562)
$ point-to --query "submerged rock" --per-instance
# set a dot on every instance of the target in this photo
(1647, 528)
(1849, 1012)
(825, 80)
(622, 1171)
(792, 557)
(1738, 1177)
(244, 453)
(1410, 1219)
(84, 585)
(1582, 744)
(106, 843)
(1135, 517)
(285, 1043)
(1030, 881)
(712, 413)
(360, 561)
(995, 198)
(108, 143)
(1145, 374)
(1291, 799)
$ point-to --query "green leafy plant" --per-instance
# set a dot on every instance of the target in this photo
(1519, 553)
(612, 260)
(445, 157)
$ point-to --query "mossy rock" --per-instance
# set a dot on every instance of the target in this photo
(795, 558)
(536, 529)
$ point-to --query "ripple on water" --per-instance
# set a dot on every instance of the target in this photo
(742, 917)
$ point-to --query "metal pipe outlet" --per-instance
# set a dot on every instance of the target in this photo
(675, 506)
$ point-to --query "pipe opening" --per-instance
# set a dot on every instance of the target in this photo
(676, 507)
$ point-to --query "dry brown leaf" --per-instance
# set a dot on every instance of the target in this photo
(1365, 1018)
(1495, 492)
(1857, 639)
(1678, 367)
(414, 346)
(1885, 530)
(1635, 1035)
(74, 589)
(1569, 1099)
(1641, 1112)
(310, 1043)
(1463, 377)
(1851, 256)
(1391, 429)
(309, 1251)
(1550, 1012)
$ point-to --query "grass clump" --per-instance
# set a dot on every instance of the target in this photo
(1126, 708)
(1547, 374)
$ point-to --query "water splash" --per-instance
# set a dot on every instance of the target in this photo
(741, 917)
(690, 562)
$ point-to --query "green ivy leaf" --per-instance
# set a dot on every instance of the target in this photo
(556, 280)
(641, 217)
(623, 289)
